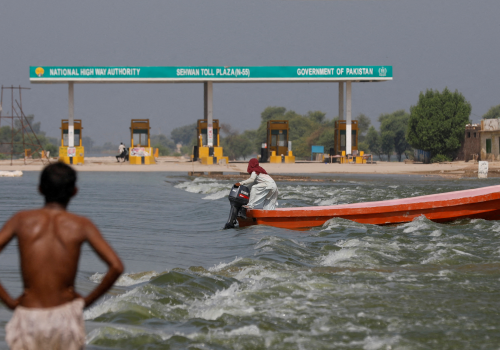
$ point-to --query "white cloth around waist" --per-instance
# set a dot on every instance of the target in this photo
(60, 327)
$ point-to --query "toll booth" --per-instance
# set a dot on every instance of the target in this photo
(140, 151)
(76, 154)
(340, 136)
(208, 155)
(278, 142)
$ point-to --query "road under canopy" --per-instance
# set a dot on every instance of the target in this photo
(210, 74)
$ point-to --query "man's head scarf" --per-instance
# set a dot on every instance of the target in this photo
(253, 165)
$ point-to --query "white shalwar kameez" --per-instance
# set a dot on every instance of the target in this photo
(264, 192)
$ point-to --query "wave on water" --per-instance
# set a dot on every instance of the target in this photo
(210, 187)
(127, 279)
(218, 195)
(222, 265)
(333, 258)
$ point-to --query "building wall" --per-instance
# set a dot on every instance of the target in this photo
(494, 136)
(472, 143)
(490, 124)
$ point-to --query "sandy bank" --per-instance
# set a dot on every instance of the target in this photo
(174, 164)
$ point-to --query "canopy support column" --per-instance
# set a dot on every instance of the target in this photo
(71, 116)
(341, 100)
(348, 129)
(208, 87)
(205, 100)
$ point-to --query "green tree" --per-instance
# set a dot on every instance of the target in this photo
(28, 122)
(163, 143)
(493, 113)
(272, 113)
(317, 116)
(363, 146)
(387, 143)
(251, 136)
(396, 123)
(49, 144)
(87, 143)
(327, 139)
(184, 134)
(373, 141)
(363, 125)
(8, 135)
(235, 145)
(437, 122)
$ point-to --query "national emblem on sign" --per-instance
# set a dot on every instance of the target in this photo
(382, 71)
(39, 71)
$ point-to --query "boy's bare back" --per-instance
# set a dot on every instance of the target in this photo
(49, 244)
(50, 241)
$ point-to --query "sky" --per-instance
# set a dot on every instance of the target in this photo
(430, 44)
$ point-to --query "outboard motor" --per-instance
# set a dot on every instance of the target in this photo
(237, 197)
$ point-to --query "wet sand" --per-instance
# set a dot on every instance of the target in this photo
(178, 164)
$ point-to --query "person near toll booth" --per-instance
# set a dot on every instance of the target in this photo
(123, 152)
(264, 191)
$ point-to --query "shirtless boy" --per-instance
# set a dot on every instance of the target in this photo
(49, 312)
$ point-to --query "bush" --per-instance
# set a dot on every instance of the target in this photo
(186, 150)
(440, 158)
(162, 150)
(363, 146)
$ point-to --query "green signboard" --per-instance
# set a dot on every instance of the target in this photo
(166, 74)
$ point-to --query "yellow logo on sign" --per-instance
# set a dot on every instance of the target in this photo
(39, 71)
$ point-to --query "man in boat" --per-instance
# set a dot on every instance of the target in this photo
(49, 312)
(264, 191)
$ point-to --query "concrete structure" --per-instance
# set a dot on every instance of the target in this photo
(490, 140)
(471, 146)
(209, 75)
(141, 151)
(341, 138)
(278, 143)
(68, 152)
(205, 152)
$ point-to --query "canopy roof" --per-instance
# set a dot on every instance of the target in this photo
(285, 74)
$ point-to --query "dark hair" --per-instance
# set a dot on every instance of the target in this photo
(57, 183)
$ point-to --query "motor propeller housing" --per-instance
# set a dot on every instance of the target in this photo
(238, 196)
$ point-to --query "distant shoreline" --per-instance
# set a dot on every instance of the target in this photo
(457, 169)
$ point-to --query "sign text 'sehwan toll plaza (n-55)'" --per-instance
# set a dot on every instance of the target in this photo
(210, 74)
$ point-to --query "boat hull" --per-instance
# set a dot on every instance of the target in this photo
(482, 203)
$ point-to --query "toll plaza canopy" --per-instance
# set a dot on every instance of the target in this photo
(210, 74)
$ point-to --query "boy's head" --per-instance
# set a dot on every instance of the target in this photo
(57, 183)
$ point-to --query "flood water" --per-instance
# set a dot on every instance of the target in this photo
(191, 285)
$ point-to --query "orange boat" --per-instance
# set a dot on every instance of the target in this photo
(480, 203)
